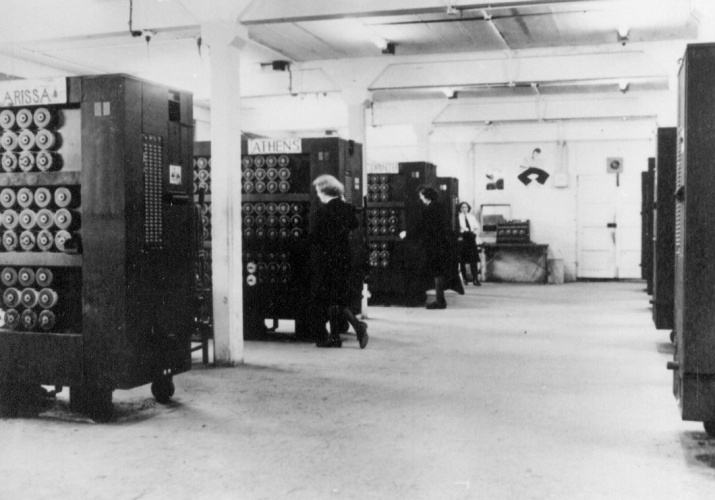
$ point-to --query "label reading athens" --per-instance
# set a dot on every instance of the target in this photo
(33, 92)
(268, 146)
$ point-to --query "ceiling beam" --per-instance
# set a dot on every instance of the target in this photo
(291, 11)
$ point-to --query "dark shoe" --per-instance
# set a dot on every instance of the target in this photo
(332, 341)
(362, 334)
(466, 282)
(436, 305)
(476, 283)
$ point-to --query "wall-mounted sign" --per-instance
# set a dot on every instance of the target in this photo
(33, 92)
(274, 146)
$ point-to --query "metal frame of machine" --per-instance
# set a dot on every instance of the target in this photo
(105, 226)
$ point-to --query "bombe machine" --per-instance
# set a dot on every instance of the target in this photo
(97, 260)
(694, 363)
(278, 205)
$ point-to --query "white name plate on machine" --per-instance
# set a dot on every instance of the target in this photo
(33, 92)
(267, 146)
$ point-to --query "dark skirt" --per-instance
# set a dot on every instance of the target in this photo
(468, 252)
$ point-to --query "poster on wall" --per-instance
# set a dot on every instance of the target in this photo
(532, 170)
(495, 180)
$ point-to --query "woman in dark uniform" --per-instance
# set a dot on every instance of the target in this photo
(432, 233)
(334, 220)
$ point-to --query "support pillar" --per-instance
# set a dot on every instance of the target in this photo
(225, 41)
(423, 131)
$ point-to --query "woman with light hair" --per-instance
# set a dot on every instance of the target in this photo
(334, 220)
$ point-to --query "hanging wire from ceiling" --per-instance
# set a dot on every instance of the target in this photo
(132, 31)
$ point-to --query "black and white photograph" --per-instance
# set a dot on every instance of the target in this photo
(357, 249)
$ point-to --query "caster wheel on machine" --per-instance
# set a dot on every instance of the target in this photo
(163, 388)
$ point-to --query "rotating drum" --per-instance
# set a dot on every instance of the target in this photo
(10, 219)
(8, 276)
(23, 118)
(9, 140)
(9, 241)
(271, 161)
(28, 297)
(43, 118)
(12, 319)
(45, 219)
(46, 320)
(283, 161)
(260, 175)
(47, 298)
(284, 186)
(272, 174)
(43, 197)
(7, 119)
(11, 297)
(284, 174)
(259, 161)
(28, 241)
(28, 319)
(26, 277)
(44, 277)
(45, 240)
(45, 139)
(44, 161)
(28, 218)
(7, 198)
(62, 239)
(25, 198)
(9, 162)
(26, 139)
(63, 197)
(26, 161)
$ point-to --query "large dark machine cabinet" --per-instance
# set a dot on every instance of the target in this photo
(278, 206)
(448, 189)
(664, 229)
(203, 211)
(694, 363)
(647, 182)
(97, 272)
(393, 206)
(397, 266)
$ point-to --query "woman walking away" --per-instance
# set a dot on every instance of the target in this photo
(334, 220)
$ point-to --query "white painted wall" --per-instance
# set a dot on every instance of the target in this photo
(573, 148)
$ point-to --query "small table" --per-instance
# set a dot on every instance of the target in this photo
(516, 262)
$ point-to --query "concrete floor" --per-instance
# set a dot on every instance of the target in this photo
(513, 392)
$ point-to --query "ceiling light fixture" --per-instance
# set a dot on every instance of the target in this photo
(449, 93)
(623, 34)
(389, 48)
(623, 86)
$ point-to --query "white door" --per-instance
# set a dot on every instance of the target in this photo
(609, 226)
(597, 226)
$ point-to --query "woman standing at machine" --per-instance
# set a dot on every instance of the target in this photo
(432, 234)
(334, 220)
(468, 251)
